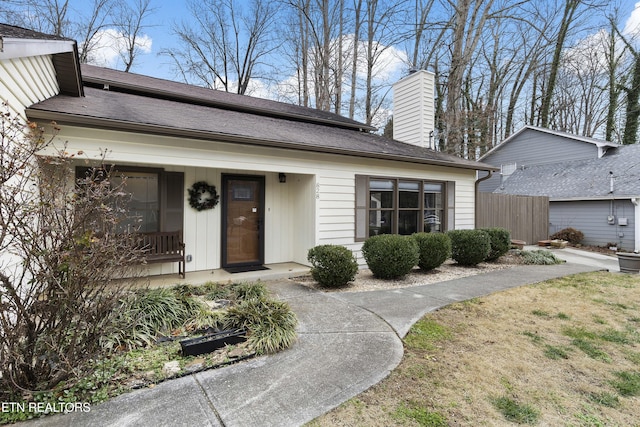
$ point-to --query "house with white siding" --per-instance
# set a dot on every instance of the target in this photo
(592, 185)
(288, 177)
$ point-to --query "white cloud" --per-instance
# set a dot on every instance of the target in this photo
(588, 52)
(632, 26)
(108, 44)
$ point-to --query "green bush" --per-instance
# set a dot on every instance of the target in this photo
(390, 256)
(271, 324)
(435, 248)
(500, 241)
(332, 265)
(569, 234)
(469, 247)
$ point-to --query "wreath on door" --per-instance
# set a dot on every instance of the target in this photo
(203, 196)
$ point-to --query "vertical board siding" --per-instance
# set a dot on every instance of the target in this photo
(590, 217)
(526, 217)
(413, 115)
(26, 81)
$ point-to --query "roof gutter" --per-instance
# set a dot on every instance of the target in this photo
(116, 125)
(12, 47)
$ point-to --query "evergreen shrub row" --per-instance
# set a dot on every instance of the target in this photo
(391, 256)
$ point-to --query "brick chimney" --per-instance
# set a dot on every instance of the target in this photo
(413, 108)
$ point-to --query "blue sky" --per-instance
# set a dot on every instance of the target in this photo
(169, 11)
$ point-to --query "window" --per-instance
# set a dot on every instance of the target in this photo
(402, 206)
(157, 197)
(143, 208)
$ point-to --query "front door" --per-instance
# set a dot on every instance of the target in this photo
(242, 220)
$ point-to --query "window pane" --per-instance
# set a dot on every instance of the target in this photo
(381, 194)
(143, 208)
(432, 221)
(408, 222)
(380, 222)
(409, 194)
(433, 207)
(432, 196)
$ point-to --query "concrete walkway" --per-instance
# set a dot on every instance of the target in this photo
(348, 342)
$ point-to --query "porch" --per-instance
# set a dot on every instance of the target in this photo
(277, 271)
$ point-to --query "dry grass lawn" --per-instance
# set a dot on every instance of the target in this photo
(561, 353)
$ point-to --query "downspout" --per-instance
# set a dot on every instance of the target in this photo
(636, 224)
(477, 191)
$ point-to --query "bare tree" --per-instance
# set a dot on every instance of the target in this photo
(632, 90)
(467, 25)
(130, 23)
(61, 252)
(382, 34)
(115, 24)
(88, 28)
(226, 47)
(357, 28)
(570, 8)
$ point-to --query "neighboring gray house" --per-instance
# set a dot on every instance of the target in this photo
(592, 185)
(539, 146)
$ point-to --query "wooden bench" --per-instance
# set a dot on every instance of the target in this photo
(160, 247)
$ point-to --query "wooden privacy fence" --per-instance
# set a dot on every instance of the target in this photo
(526, 217)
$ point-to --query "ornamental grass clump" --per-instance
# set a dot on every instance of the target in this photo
(390, 256)
(146, 313)
(271, 324)
(500, 241)
(469, 247)
(435, 248)
(332, 265)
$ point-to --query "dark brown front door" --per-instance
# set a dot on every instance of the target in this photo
(242, 220)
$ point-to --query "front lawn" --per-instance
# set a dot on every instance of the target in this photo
(563, 352)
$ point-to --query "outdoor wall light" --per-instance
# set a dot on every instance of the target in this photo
(282, 177)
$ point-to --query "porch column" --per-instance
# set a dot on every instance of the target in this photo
(636, 223)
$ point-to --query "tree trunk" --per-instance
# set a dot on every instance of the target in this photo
(547, 99)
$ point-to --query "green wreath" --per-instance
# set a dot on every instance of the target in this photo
(196, 193)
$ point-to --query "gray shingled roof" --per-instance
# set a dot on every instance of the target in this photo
(137, 83)
(131, 112)
(580, 179)
(23, 33)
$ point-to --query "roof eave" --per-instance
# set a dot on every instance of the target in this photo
(11, 47)
(118, 125)
(591, 198)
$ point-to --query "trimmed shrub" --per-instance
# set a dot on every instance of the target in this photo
(500, 241)
(390, 256)
(435, 248)
(569, 234)
(469, 247)
(332, 265)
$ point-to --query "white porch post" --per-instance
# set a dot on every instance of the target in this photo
(636, 223)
